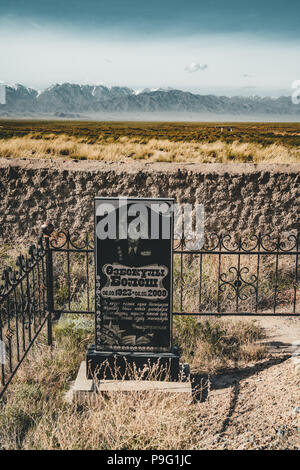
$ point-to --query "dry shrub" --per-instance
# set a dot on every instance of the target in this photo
(52, 368)
(252, 352)
(212, 345)
(9, 254)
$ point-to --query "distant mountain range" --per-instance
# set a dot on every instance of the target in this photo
(71, 100)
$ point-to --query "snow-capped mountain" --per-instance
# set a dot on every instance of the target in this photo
(19, 98)
(63, 99)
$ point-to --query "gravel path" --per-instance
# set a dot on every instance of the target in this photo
(258, 407)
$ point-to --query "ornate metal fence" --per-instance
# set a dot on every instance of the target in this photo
(244, 276)
(23, 309)
(73, 286)
(254, 275)
(249, 275)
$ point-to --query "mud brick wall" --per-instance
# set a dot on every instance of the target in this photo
(237, 198)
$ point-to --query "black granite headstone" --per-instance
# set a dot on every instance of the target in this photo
(133, 285)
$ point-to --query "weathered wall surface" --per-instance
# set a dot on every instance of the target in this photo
(239, 198)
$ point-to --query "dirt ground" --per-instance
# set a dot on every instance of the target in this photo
(258, 407)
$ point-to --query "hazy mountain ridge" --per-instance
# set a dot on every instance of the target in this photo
(72, 98)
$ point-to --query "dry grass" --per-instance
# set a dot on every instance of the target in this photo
(153, 150)
(142, 420)
(213, 345)
(36, 416)
(286, 134)
(9, 254)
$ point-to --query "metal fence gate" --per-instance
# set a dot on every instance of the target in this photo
(255, 275)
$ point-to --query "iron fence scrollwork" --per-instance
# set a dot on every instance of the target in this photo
(253, 275)
(23, 309)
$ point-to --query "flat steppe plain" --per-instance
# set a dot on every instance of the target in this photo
(151, 141)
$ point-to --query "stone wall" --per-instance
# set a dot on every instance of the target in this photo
(237, 198)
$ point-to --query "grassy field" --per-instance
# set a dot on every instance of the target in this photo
(262, 133)
(154, 142)
(35, 415)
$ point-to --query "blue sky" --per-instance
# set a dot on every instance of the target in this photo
(224, 47)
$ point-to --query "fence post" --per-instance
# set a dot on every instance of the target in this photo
(49, 286)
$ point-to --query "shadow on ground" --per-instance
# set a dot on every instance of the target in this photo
(202, 384)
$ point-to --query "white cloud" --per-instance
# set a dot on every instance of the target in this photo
(195, 66)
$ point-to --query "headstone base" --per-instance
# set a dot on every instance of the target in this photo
(123, 365)
(86, 391)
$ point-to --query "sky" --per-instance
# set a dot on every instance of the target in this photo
(232, 47)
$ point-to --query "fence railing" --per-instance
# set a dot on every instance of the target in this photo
(23, 309)
(249, 275)
(254, 275)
